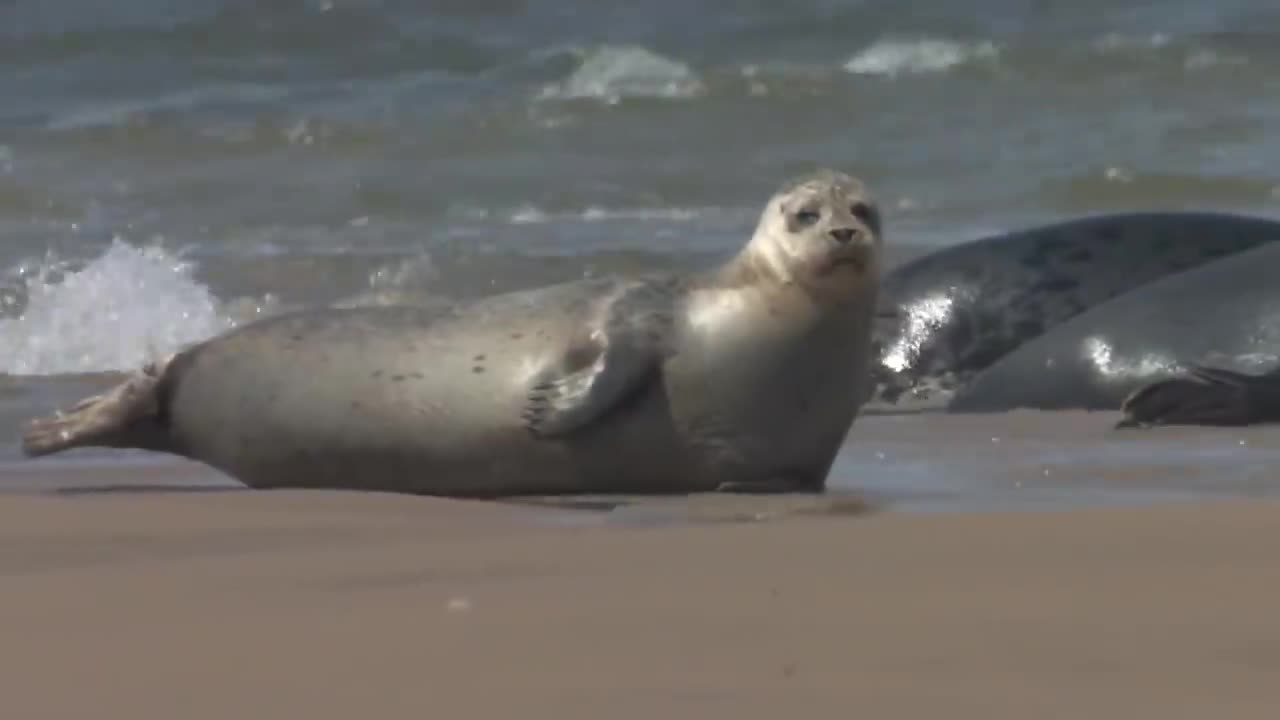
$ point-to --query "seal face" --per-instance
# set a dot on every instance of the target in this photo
(742, 377)
(958, 310)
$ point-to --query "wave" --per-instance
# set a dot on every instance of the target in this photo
(892, 57)
(611, 73)
(337, 109)
(1186, 53)
(531, 214)
(1118, 188)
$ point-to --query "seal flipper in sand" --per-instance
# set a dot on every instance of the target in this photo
(1205, 396)
(129, 415)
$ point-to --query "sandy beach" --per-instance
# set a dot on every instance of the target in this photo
(337, 605)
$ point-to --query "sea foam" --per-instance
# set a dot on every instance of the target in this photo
(895, 57)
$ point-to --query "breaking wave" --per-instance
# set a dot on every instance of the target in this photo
(929, 55)
(613, 72)
(126, 307)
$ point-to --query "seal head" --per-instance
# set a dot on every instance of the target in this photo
(820, 231)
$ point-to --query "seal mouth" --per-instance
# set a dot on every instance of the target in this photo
(858, 264)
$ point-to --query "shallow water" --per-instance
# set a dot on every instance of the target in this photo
(169, 169)
(919, 462)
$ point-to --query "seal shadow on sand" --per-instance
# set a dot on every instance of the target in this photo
(696, 508)
(706, 508)
(144, 489)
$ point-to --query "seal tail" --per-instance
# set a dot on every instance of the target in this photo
(1205, 396)
(128, 415)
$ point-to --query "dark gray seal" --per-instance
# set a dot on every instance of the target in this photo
(744, 377)
(960, 309)
(1205, 395)
(1225, 314)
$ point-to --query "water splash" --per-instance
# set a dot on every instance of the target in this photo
(113, 313)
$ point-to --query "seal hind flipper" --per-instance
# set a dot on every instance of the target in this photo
(127, 415)
(1205, 396)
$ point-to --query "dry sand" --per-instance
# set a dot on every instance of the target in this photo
(342, 605)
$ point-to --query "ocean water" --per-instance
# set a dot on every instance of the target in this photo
(169, 168)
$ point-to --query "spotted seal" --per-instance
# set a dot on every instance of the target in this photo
(742, 377)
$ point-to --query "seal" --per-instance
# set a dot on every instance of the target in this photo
(1205, 396)
(1225, 314)
(743, 377)
(953, 312)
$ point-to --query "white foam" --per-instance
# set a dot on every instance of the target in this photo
(613, 72)
(1203, 59)
(1116, 42)
(1193, 57)
(926, 55)
(126, 307)
(530, 215)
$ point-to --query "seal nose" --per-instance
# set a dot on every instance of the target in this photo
(844, 235)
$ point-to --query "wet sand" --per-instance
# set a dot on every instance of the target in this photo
(339, 605)
(123, 598)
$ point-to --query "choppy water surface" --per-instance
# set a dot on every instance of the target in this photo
(171, 167)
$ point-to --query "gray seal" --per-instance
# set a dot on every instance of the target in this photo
(1205, 395)
(1225, 315)
(954, 312)
(742, 377)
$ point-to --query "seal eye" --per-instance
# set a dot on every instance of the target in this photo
(807, 217)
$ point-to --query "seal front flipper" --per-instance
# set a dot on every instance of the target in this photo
(628, 346)
(564, 403)
(1205, 396)
(126, 416)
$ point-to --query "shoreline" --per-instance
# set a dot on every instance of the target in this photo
(1025, 461)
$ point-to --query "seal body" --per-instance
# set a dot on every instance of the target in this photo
(1225, 314)
(743, 377)
(959, 310)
